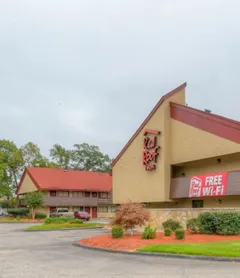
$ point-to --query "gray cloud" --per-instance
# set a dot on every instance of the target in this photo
(90, 71)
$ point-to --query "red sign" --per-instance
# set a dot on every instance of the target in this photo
(208, 185)
(150, 149)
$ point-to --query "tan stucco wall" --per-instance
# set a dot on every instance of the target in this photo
(27, 185)
(131, 182)
(108, 214)
(43, 210)
(189, 143)
(210, 202)
(228, 163)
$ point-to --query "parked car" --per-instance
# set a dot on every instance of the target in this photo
(82, 215)
(62, 212)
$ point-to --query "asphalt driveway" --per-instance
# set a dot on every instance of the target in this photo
(50, 255)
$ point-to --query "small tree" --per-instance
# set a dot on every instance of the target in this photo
(131, 215)
(33, 200)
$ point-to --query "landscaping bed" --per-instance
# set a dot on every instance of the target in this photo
(59, 223)
(46, 227)
(19, 220)
(134, 242)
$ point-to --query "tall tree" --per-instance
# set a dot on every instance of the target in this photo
(32, 156)
(11, 162)
(60, 156)
(90, 158)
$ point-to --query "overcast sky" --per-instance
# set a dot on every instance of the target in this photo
(91, 71)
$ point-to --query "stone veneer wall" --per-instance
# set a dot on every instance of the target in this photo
(180, 214)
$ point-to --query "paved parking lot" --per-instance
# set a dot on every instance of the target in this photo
(50, 255)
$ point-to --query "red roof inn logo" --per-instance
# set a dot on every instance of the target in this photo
(208, 185)
(150, 149)
(195, 187)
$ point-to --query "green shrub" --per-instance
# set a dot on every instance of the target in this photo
(179, 234)
(193, 225)
(5, 204)
(229, 223)
(117, 232)
(61, 220)
(40, 215)
(48, 221)
(207, 223)
(167, 232)
(171, 224)
(149, 232)
(222, 223)
(21, 212)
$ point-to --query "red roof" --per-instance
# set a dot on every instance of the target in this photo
(212, 123)
(163, 98)
(60, 179)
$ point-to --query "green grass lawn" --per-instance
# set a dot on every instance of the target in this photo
(64, 226)
(218, 249)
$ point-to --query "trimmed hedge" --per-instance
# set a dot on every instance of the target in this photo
(117, 231)
(62, 220)
(40, 215)
(222, 223)
(171, 224)
(167, 232)
(179, 234)
(149, 232)
(193, 225)
(18, 212)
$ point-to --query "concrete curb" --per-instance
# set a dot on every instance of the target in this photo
(65, 229)
(164, 255)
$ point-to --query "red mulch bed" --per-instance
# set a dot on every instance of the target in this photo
(131, 243)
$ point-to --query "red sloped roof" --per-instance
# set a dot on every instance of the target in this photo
(212, 123)
(163, 98)
(60, 179)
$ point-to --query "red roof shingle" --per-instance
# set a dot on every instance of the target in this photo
(212, 123)
(60, 179)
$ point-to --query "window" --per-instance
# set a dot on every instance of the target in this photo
(53, 193)
(87, 194)
(63, 193)
(103, 195)
(78, 209)
(77, 194)
(94, 194)
(197, 204)
(102, 209)
(113, 209)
